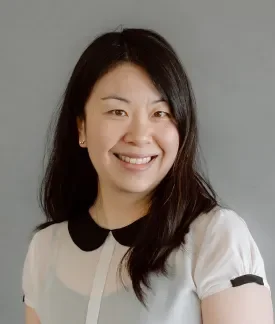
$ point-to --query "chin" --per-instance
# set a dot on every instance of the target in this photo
(136, 188)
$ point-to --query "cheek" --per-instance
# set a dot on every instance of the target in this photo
(101, 136)
(169, 141)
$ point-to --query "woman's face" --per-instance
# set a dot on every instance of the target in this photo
(131, 138)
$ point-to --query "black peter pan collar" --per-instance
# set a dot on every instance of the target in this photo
(89, 236)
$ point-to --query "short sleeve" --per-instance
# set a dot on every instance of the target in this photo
(36, 265)
(29, 277)
(227, 255)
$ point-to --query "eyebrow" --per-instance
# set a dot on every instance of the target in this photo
(115, 97)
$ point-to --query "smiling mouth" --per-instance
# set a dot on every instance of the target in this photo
(131, 160)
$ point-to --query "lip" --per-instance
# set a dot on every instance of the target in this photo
(136, 156)
(135, 167)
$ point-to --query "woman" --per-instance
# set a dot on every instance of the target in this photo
(123, 196)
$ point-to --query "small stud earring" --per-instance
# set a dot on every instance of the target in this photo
(81, 142)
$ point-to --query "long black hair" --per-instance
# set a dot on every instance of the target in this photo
(70, 182)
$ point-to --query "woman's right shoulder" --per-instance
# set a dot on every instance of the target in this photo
(45, 236)
(38, 259)
(43, 244)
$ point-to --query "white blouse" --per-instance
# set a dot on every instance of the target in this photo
(70, 276)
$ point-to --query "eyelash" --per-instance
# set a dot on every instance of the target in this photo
(165, 113)
(114, 112)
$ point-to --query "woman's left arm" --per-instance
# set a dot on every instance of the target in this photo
(247, 304)
(229, 271)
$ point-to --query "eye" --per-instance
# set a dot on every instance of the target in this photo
(118, 112)
(161, 114)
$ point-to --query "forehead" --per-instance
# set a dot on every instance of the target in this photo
(128, 79)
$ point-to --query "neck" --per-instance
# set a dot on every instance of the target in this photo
(115, 209)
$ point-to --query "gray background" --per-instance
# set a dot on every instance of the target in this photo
(228, 49)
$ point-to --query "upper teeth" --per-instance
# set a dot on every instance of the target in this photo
(134, 160)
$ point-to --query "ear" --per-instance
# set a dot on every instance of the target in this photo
(81, 131)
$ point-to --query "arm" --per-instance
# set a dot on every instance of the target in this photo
(31, 316)
(247, 304)
(229, 272)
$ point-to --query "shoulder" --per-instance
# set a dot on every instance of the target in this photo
(219, 223)
(37, 261)
(41, 244)
(45, 236)
(218, 216)
(223, 250)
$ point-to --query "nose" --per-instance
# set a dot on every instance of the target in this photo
(139, 132)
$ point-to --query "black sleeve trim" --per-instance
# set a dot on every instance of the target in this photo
(242, 280)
